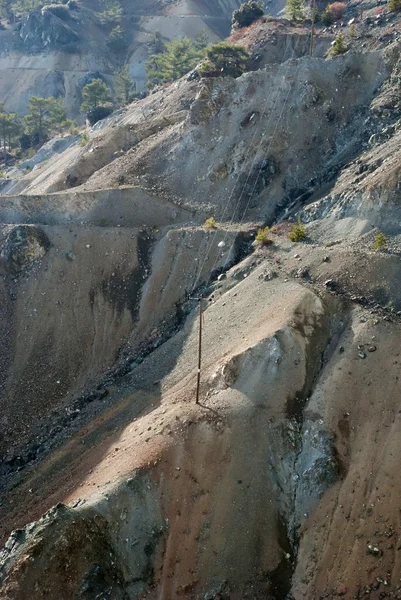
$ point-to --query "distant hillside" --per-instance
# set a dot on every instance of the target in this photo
(56, 51)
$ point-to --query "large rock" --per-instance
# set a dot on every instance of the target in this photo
(24, 245)
(44, 30)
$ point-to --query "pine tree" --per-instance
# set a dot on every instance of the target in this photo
(295, 9)
(125, 86)
(158, 46)
(10, 128)
(117, 40)
(180, 57)
(95, 94)
(339, 46)
(201, 40)
(46, 115)
(224, 59)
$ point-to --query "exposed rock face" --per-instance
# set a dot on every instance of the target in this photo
(45, 30)
(24, 245)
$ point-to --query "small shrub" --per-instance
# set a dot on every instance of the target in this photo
(2, 175)
(30, 153)
(73, 130)
(224, 59)
(210, 223)
(394, 5)
(298, 233)
(337, 10)
(262, 237)
(380, 242)
(84, 139)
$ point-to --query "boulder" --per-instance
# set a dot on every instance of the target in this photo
(24, 245)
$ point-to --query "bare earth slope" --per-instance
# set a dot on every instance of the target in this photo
(283, 482)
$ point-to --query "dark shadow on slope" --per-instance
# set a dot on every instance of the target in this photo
(82, 442)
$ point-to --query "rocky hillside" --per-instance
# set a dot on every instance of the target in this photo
(282, 483)
(55, 53)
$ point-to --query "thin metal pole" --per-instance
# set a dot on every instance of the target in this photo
(199, 351)
(313, 27)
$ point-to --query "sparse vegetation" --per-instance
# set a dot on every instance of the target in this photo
(297, 233)
(247, 13)
(339, 46)
(380, 242)
(262, 237)
(224, 59)
(210, 223)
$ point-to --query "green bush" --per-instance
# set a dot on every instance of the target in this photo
(247, 13)
(224, 59)
(262, 237)
(210, 223)
(298, 233)
(380, 242)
